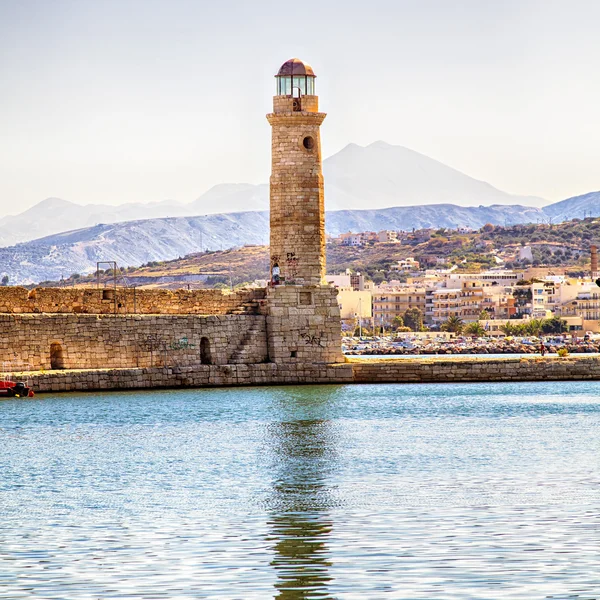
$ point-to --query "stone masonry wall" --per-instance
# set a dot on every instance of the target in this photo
(107, 341)
(419, 371)
(422, 370)
(297, 218)
(201, 376)
(129, 301)
(303, 324)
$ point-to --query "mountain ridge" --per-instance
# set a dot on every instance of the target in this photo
(136, 242)
(379, 175)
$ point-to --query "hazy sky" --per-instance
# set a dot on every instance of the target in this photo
(144, 100)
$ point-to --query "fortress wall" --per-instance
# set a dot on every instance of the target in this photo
(418, 371)
(14, 300)
(108, 341)
(303, 324)
(201, 376)
(464, 369)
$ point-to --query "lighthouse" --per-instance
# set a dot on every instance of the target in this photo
(296, 191)
(303, 316)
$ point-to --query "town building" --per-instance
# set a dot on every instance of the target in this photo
(389, 303)
(387, 236)
(409, 265)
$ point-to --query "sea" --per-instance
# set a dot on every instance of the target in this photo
(413, 491)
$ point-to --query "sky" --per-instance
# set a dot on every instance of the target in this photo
(147, 100)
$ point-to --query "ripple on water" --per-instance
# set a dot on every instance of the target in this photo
(414, 491)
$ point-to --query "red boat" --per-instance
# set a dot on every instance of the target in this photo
(14, 389)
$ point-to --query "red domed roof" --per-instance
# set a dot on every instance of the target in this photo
(295, 66)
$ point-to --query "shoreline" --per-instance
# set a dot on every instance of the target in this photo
(505, 348)
(356, 370)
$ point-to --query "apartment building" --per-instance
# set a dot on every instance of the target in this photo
(387, 236)
(391, 302)
(487, 278)
(409, 265)
(586, 305)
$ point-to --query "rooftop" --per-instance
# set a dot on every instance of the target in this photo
(295, 66)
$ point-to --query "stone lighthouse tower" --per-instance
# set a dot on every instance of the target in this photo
(297, 200)
(303, 316)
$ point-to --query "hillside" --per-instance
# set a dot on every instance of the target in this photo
(131, 243)
(576, 207)
(561, 246)
(136, 242)
(376, 176)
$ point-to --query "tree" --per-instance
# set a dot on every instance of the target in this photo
(5, 280)
(454, 324)
(554, 325)
(474, 329)
(534, 327)
(413, 318)
(508, 329)
(365, 332)
(398, 322)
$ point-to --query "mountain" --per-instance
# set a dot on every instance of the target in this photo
(435, 215)
(135, 242)
(54, 215)
(129, 243)
(232, 197)
(382, 175)
(576, 207)
(376, 176)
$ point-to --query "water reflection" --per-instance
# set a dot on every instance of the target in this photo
(304, 458)
(301, 555)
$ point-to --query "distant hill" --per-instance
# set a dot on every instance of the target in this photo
(136, 242)
(379, 175)
(129, 243)
(435, 215)
(576, 207)
(558, 247)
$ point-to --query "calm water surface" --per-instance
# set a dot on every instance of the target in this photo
(383, 491)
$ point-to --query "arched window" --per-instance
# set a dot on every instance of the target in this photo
(57, 360)
(205, 358)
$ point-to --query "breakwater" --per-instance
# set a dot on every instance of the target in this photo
(507, 347)
(355, 370)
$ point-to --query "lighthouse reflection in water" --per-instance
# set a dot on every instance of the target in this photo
(304, 459)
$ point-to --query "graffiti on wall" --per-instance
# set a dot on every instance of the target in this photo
(292, 265)
(311, 340)
(181, 344)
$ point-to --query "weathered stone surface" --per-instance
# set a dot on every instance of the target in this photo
(297, 218)
(472, 370)
(130, 301)
(298, 333)
(109, 341)
(200, 376)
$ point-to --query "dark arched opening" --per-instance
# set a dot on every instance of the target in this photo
(57, 359)
(205, 358)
